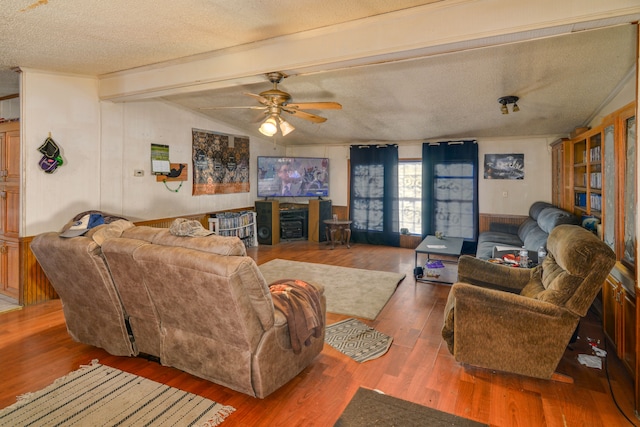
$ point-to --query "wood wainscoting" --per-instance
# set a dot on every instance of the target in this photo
(341, 211)
(166, 222)
(36, 288)
(410, 241)
(487, 219)
(34, 284)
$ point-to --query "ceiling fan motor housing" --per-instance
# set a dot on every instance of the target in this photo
(276, 96)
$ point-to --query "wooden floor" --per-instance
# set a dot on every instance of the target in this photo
(35, 350)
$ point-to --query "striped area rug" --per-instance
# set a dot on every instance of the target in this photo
(357, 340)
(97, 395)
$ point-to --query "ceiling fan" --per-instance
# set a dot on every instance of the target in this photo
(274, 101)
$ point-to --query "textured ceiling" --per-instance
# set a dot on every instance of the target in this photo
(562, 81)
(452, 95)
(97, 37)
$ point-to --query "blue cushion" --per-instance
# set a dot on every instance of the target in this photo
(538, 207)
(526, 227)
(550, 218)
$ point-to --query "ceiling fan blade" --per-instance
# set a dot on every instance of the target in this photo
(303, 115)
(227, 108)
(260, 98)
(316, 106)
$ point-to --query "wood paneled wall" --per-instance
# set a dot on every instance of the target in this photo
(410, 241)
(341, 211)
(487, 219)
(166, 222)
(36, 287)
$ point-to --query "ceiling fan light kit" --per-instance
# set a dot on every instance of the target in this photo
(269, 127)
(285, 127)
(506, 100)
(274, 101)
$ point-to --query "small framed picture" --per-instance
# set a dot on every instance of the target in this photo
(504, 166)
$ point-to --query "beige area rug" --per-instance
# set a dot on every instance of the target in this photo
(97, 395)
(350, 291)
(357, 340)
(7, 304)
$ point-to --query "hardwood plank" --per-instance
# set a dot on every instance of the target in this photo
(35, 349)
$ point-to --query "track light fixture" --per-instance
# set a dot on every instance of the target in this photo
(506, 100)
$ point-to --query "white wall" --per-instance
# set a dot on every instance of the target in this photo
(68, 108)
(128, 131)
(520, 194)
(102, 143)
(535, 186)
(338, 156)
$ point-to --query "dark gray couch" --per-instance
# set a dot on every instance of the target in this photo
(532, 233)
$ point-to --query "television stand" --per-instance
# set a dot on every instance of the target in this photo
(294, 224)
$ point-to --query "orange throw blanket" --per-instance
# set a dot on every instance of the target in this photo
(300, 303)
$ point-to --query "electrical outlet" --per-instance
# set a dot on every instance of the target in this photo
(505, 194)
(138, 172)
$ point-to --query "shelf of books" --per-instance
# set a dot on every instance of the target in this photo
(240, 224)
(587, 173)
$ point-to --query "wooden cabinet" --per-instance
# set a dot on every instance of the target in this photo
(10, 164)
(627, 183)
(619, 171)
(561, 190)
(586, 155)
(9, 268)
(10, 209)
(603, 175)
(619, 317)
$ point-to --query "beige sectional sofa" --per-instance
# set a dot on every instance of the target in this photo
(199, 304)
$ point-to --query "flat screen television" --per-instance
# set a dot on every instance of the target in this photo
(293, 177)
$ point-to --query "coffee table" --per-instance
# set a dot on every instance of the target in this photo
(447, 246)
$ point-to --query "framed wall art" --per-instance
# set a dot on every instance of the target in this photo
(220, 163)
(504, 166)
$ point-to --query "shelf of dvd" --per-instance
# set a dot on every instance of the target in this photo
(240, 224)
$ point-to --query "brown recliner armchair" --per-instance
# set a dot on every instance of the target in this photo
(521, 320)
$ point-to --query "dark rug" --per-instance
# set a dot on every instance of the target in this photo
(372, 408)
